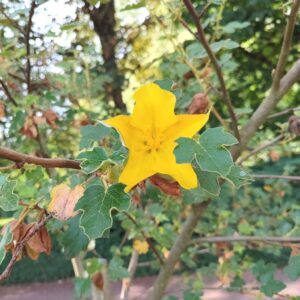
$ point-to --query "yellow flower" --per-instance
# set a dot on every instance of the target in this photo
(141, 247)
(150, 134)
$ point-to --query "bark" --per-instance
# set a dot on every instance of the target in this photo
(104, 22)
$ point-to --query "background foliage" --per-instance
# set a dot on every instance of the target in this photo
(81, 73)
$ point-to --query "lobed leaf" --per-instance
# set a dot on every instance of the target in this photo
(92, 160)
(97, 205)
(8, 200)
(6, 239)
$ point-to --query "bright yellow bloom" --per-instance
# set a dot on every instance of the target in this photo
(141, 247)
(150, 134)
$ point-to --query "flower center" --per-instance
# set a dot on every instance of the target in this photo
(154, 139)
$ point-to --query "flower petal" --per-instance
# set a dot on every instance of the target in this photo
(136, 169)
(154, 108)
(164, 162)
(130, 135)
(186, 126)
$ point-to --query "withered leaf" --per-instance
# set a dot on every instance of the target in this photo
(63, 201)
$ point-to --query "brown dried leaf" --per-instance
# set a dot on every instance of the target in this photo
(63, 201)
(2, 110)
(166, 186)
(39, 243)
(98, 280)
(29, 128)
(294, 126)
(51, 118)
(199, 104)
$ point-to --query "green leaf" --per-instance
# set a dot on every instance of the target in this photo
(196, 50)
(226, 44)
(208, 181)
(6, 239)
(73, 239)
(93, 2)
(211, 153)
(167, 84)
(92, 159)
(116, 270)
(185, 150)
(137, 5)
(73, 25)
(8, 200)
(97, 205)
(92, 133)
(82, 288)
(292, 270)
(272, 287)
(265, 274)
(238, 177)
(231, 27)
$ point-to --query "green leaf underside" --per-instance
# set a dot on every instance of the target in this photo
(96, 206)
(6, 238)
(93, 159)
(8, 200)
(92, 133)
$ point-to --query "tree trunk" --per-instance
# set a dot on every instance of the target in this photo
(104, 22)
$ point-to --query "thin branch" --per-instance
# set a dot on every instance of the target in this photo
(241, 238)
(20, 245)
(7, 93)
(9, 167)
(44, 162)
(284, 112)
(181, 243)
(261, 147)
(286, 44)
(266, 176)
(147, 239)
(211, 55)
(204, 10)
(269, 103)
(126, 282)
(27, 44)
(14, 22)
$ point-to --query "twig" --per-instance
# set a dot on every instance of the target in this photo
(242, 238)
(20, 245)
(286, 44)
(211, 55)
(44, 162)
(126, 282)
(266, 176)
(7, 93)
(284, 112)
(181, 243)
(204, 10)
(271, 100)
(15, 23)
(147, 239)
(260, 148)
(27, 44)
(9, 167)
